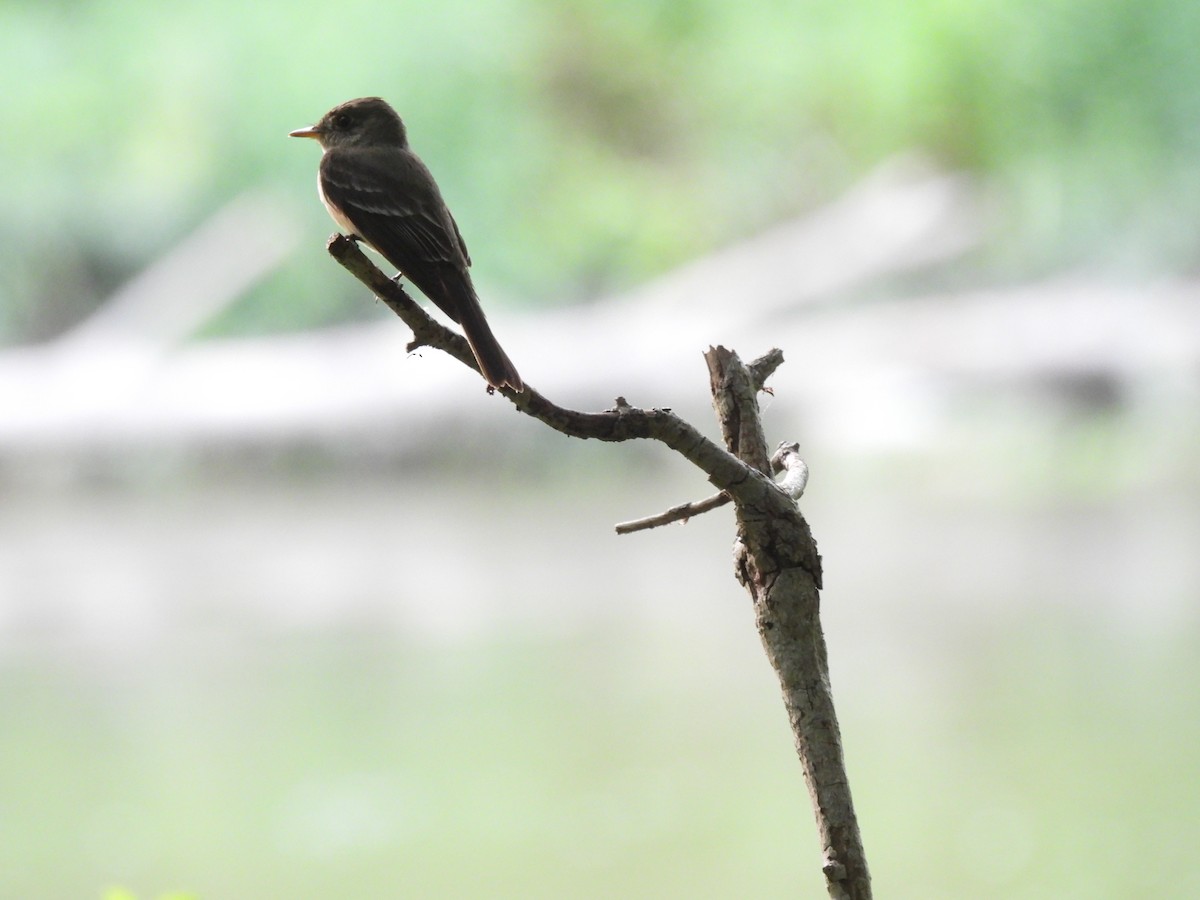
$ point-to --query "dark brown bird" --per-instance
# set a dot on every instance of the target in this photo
(376, 188)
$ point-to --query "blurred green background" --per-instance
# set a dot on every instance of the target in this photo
(588, 144)
(245, 671)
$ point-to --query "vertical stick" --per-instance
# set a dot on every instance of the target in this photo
(777, 561)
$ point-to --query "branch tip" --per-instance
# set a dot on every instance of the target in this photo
(786, 458)
(764, 367)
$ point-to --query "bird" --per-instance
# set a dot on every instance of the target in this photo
(379, 190)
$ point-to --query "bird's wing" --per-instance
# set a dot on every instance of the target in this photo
(462, 245)
(394, 204)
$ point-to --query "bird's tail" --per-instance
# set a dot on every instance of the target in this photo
(494, 363)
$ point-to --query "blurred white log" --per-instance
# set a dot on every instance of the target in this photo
(857, 373)
(209, 270)
(90, 384)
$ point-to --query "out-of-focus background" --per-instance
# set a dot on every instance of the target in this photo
(288, 612)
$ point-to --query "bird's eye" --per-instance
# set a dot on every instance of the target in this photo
(342, 120)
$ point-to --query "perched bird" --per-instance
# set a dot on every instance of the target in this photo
(376, 188)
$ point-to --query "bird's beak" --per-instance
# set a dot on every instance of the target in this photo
(312, 131)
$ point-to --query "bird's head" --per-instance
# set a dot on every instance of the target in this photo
(365, 122)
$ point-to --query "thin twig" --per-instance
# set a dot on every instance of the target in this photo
(680, 513)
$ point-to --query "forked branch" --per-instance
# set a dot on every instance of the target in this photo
(775, 556)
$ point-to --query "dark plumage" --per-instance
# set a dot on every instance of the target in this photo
(376, 188)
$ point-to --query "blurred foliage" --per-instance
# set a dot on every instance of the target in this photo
(584, 145)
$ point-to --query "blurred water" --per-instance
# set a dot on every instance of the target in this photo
(408, 685)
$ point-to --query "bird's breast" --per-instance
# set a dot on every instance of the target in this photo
(334, 210)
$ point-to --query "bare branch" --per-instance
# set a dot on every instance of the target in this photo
(776, 560)
(680, 513)
(775, 555)
(623, 423)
